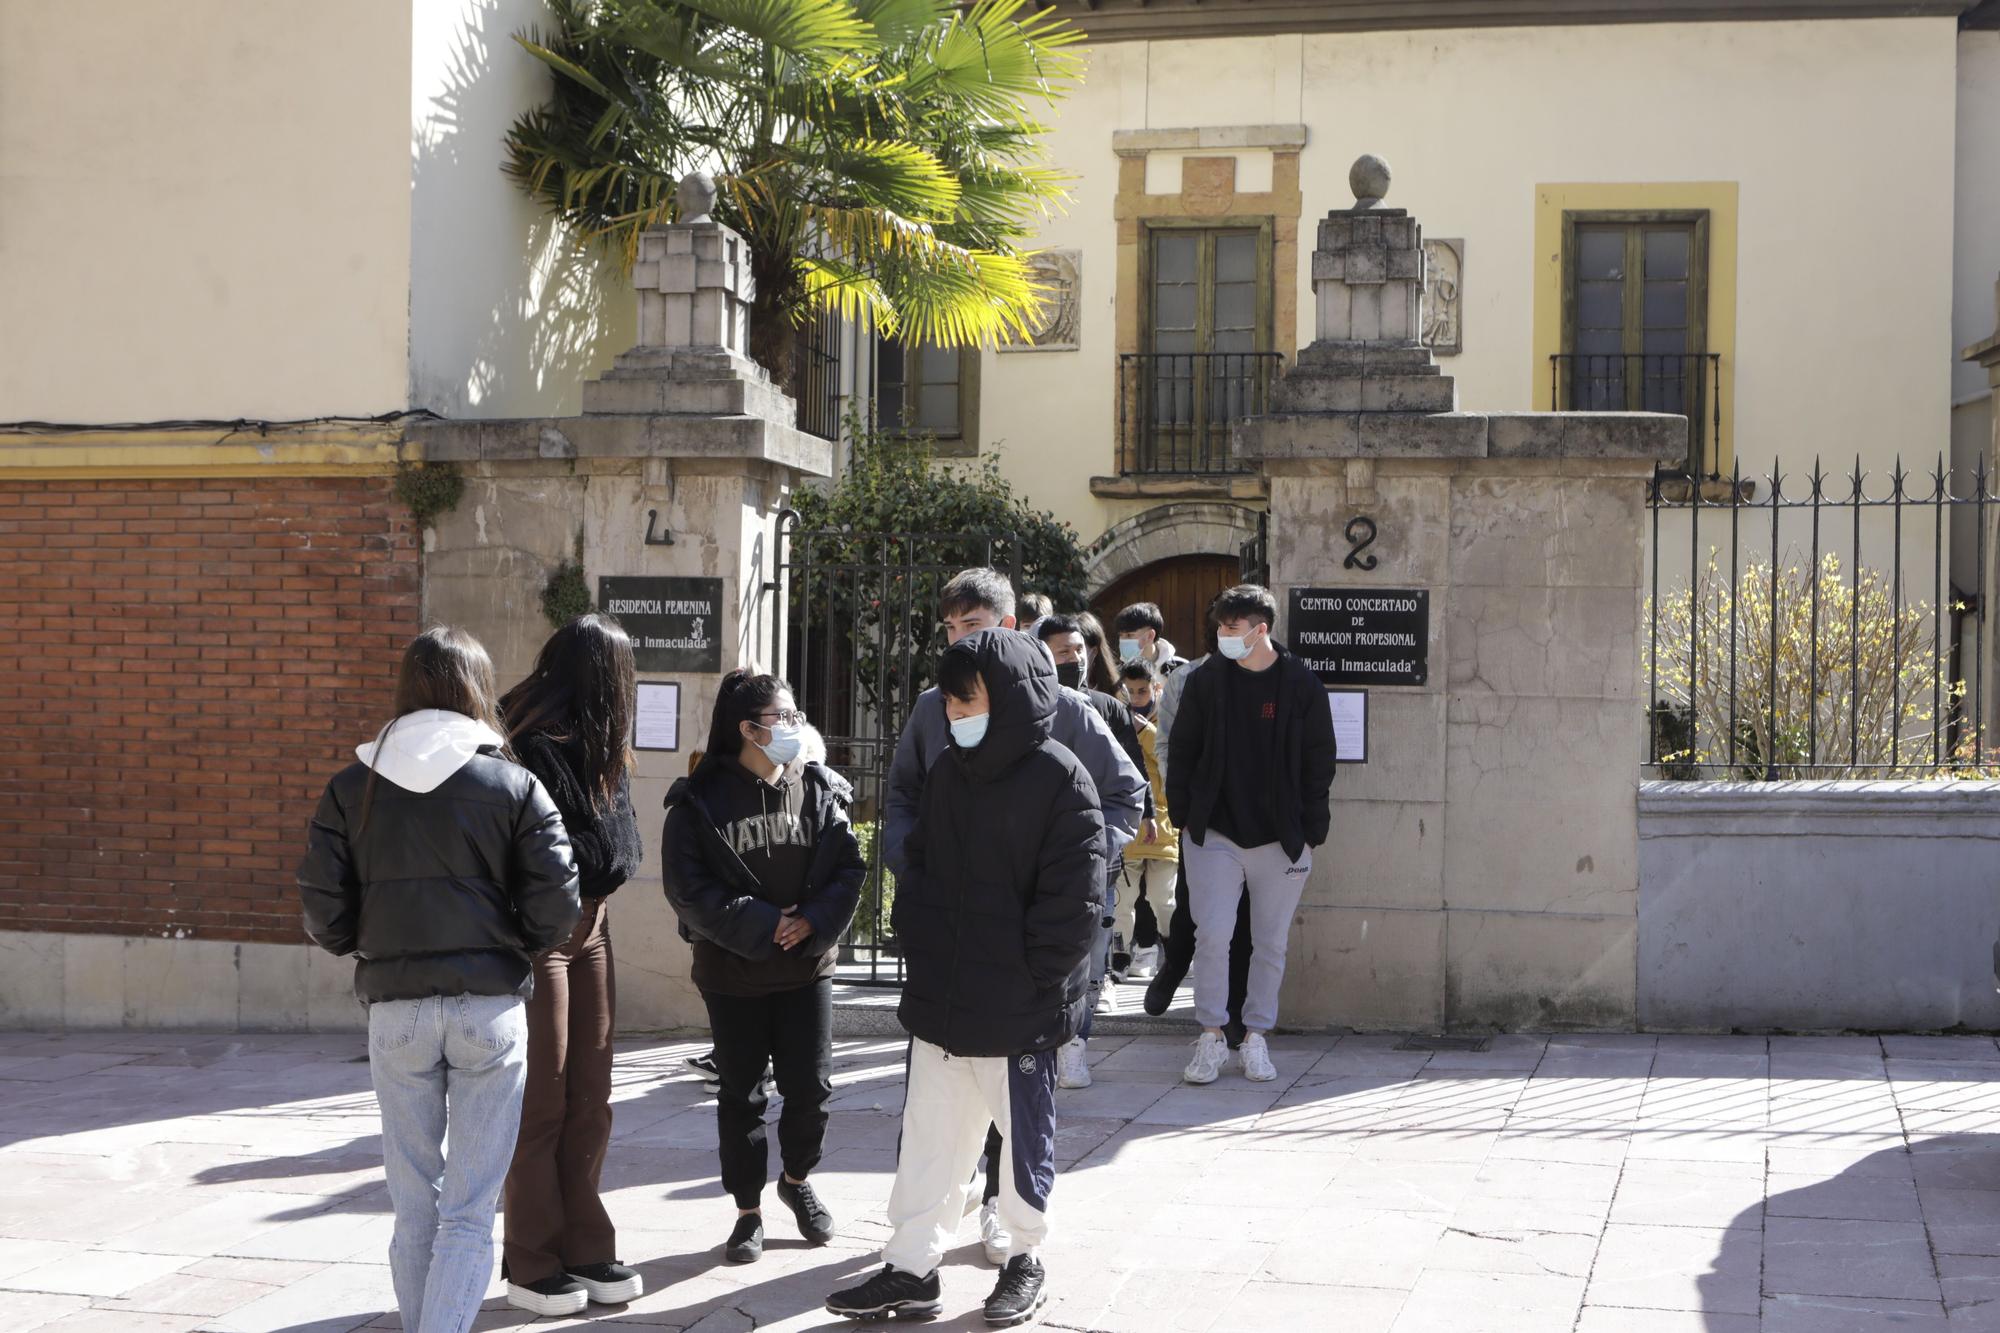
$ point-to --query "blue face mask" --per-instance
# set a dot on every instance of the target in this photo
(967, 732)
(1130, 649)
(1235, 647)
(785, 744)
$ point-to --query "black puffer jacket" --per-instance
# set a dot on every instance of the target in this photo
(460, 872)
(605, 841)
(999, 907)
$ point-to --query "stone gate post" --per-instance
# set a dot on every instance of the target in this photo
(1477, 575)
(665, 492)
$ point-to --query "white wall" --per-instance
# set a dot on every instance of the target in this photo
(1976, 247)
(507, 315)
(204, 208)
(1839, 134)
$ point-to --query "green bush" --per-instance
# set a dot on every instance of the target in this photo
(937, 514)
(878, 892)
(429, 489)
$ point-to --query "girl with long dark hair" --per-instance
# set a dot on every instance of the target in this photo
(1100, 666)
(569, 721)
(445, 867)
(764, 872)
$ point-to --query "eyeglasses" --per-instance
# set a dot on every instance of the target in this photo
(790, 717)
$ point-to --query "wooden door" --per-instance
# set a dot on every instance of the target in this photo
(1182, 586)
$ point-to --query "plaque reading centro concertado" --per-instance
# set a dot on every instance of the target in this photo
(675, 624)
(1362, 636)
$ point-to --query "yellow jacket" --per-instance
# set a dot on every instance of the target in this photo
(1168, 846)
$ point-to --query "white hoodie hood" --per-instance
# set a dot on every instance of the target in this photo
(424, 748)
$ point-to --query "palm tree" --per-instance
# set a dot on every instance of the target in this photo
(880, 156)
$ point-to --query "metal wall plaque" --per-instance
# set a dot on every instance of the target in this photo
(675, 624)
(1362, 636)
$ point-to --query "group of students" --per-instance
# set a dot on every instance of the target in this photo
(1031, 818)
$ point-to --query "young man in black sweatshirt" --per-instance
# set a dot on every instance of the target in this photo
(1251, 769)
(996, 910)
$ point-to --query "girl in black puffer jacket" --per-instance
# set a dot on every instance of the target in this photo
(764, 872)
(569, 721)
(443, 866)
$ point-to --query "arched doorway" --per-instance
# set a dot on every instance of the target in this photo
(1182, 586)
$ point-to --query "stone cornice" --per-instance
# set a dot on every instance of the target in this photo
(1279, 138)
(296, 450)
(1133, 20)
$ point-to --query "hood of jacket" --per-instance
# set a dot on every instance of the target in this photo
(1163, 651)
(1021, 694)
(419, 750)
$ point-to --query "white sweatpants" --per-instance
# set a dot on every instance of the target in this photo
(947, 1104)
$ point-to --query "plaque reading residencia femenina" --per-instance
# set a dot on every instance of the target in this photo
(1362, 636)
(675, 624)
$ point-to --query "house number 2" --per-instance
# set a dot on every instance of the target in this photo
(1360, 536)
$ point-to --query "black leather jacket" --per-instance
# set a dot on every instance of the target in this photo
(445, 892)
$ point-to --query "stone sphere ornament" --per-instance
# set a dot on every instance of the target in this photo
(1369, 179)
(694, 197)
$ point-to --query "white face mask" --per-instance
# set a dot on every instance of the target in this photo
(967, 732)
(784, 744)
(1235, 647)
(1129, 650)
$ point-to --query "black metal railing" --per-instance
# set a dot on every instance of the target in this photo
(1175, 408)
(1688, 385)
(1821, 626)
(858, 614)
(816, 376)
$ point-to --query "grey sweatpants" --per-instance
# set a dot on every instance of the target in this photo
(1218, 872)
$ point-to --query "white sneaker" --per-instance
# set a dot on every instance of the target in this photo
(993, 1234)
(1211, 1053)
(1145, 963)
(1072, 1067)
(1257, 1066)
(1107, 997)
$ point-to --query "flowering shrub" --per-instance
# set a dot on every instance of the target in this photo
(1856, 685)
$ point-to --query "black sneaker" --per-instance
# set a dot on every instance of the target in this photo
(889, 1292)
(704, 1064)
(815, 1222)
(1019, 1294)
(1121, 963)
(746, 1243)
(558, 1295)
(609, 1284)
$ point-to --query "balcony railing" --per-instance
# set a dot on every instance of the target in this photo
(1175, 409)
(1688, 385)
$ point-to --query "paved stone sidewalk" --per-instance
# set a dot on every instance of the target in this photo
(1611, 1184)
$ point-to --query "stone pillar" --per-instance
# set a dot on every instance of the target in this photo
(1483, 865)
(1986, 353)
(684, 438)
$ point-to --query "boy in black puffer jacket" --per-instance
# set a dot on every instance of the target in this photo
(996, 915)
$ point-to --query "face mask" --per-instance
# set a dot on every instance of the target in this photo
(1130, 649)
(967, 732)
(1146, 710)
(1070, 674)
(1235, 647)
(785, 744)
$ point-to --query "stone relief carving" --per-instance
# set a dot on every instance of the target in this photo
(1059, 273)
(1444, 278)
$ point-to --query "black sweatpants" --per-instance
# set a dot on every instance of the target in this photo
(792, 1033)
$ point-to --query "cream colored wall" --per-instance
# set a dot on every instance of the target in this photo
(1839, 134)
(1976, 252)
(204, 208)
(507, 316)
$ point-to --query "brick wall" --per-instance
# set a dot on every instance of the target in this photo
(183, 664)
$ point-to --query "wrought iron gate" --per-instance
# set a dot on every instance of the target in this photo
(858, 613)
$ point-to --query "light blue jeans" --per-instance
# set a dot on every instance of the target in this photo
(468, 1053)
